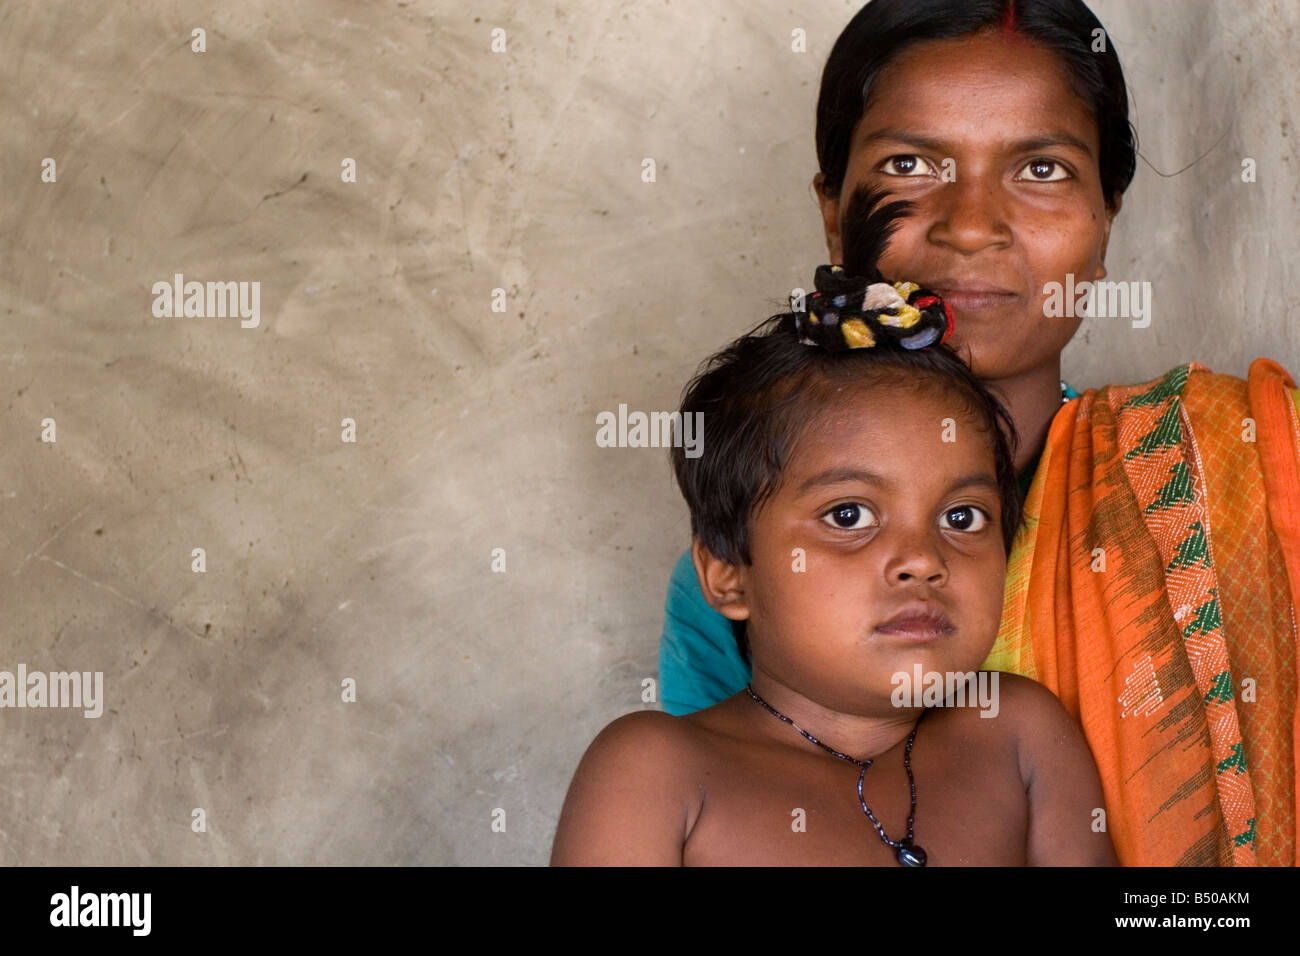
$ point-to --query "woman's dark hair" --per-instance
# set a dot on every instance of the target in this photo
(759, 393)
(884, 28)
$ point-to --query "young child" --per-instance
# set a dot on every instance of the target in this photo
(852, 512)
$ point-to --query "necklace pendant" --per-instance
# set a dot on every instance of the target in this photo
(909, 854)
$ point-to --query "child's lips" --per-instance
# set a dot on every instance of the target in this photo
(928, 624)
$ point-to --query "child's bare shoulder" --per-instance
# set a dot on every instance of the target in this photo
(630, 800)
(651, 736)
(1032, 707)
(1027, 717)
(1019, 704)
(1025, 695)
(1066, 802)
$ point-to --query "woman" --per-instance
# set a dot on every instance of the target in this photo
(1151, 585)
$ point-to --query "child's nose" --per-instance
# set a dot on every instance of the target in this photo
(917, 561)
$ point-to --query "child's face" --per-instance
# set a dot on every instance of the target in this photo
(891, 519)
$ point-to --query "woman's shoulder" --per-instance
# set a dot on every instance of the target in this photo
(1194, 381)
(1170, 384)
(1188, 402)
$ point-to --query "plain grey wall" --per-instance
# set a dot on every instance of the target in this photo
(372, 560)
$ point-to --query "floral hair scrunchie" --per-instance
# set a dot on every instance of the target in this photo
(852, 312)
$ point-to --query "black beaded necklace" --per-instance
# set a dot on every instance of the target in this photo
(907, 852)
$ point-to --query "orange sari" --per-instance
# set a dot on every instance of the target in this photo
(1152, 587)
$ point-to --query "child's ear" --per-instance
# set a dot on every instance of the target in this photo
(722, 584)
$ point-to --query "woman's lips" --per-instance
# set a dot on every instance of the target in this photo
(976, 300)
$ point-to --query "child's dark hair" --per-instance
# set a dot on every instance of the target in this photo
(758, 394)
(884, 28)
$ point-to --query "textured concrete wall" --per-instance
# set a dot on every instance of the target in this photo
(328, 560)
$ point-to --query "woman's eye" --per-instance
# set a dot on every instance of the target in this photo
(965, 518)
(850, 516)
(907, 166)
(1044, 171)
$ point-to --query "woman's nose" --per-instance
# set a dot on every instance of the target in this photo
(969, 215)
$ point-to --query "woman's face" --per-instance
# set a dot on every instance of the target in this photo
(1000, 159)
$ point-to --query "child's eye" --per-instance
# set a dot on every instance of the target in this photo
(850, 516)
(1041, 171)
(965, 518)
(907, 166)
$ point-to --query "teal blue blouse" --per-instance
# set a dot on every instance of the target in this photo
(699, 662)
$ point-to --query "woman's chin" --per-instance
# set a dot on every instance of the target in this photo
(999, 360)
(974, 352)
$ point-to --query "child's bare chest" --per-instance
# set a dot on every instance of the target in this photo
(971, 809)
